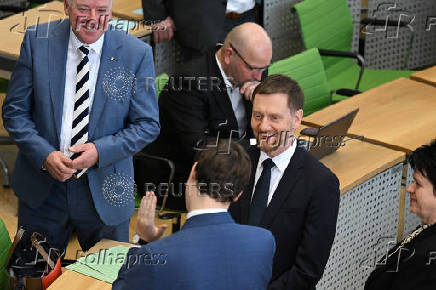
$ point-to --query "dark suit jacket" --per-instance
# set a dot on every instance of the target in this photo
(198, 22)
(415, 268)
(210, 252)
(189, 113)
(302, 217)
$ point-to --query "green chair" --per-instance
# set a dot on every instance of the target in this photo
(161, 81)
(5, 244)
(328, 26)
(307, 69)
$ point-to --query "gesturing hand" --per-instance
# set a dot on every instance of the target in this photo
(145, 226)
(59, 166)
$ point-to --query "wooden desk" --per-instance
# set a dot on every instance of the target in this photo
(12, 28)
(400, 115)
(72, 280)
(358, 161)
(124, 9)
(427, 76)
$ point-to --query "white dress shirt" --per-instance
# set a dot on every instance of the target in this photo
(237, 101)
(73, 59)
(239, 6)
(281, 162)
(204, 211)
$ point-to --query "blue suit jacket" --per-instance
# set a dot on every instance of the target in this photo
(210, 252)
(122, 120)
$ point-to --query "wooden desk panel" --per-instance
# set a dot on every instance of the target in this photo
(12, 28)
(427, 76)
(358, 161)
(400, 115)
(72, 280)
(124, 9)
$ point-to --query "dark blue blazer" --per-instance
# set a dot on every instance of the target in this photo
(122, 121)
(302, 217)
(210, 252)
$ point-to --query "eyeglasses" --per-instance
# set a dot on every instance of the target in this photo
(250, 67)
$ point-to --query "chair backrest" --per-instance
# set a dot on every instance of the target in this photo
(307, 69)
(326, 24)
(161, 81)
(5, 244)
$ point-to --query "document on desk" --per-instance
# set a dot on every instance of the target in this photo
(103, 265)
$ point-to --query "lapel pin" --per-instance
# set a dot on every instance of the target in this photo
(112, 58)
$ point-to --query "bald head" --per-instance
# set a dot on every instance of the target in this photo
(247, 50)
(248, 35)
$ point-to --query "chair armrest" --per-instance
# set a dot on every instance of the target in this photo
(347, 54)
(383, 22)
(356, 56)
(346, 92)
(161, 215)
(311, 132)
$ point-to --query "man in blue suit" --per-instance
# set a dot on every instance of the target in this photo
(211, 251)
(79, 108)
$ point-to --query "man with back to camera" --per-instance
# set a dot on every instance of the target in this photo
(290, 193)
(76, 126)
(211, 251)
(208, 96)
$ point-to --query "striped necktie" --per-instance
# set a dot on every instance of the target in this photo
(79, 134)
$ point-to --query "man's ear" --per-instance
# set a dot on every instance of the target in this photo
(193, 175)
(298, 116)
(235, 199)
(227, 53)
(66, 6)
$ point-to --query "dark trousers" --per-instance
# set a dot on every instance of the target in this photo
(70, 207)
(229, 24)
(248, 16)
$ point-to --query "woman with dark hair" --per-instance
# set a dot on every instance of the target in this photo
(411, 264)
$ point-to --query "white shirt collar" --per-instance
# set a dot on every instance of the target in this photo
(226, 79)
(96, 46)
(204, 211)
(282, 160)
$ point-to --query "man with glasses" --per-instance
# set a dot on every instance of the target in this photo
(209, 97)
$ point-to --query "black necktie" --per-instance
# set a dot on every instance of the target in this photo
(260, 197)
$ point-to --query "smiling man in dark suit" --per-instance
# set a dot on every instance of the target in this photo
(290, 193)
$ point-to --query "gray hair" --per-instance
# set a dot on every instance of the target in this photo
(69, 2)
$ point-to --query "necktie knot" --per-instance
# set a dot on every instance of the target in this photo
(267, 164)
(84, 50)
